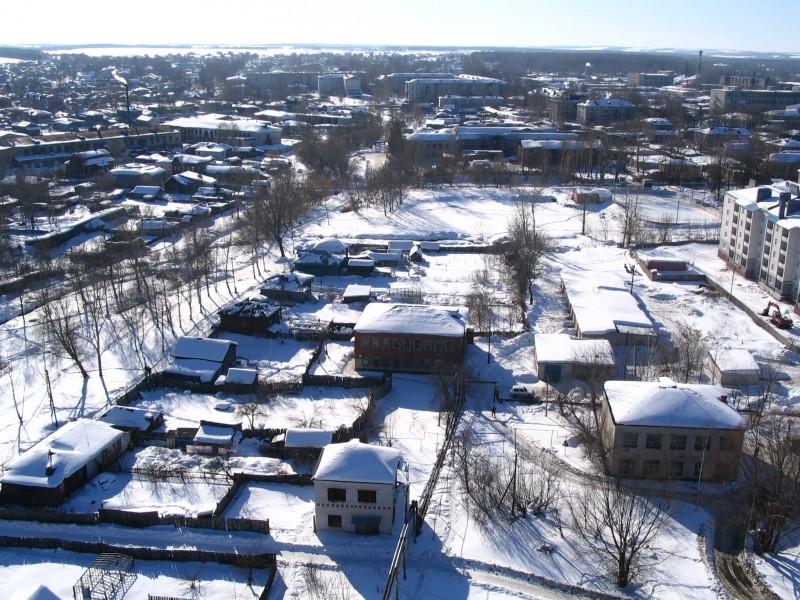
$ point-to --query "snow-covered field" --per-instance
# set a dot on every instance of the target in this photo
(455, 557)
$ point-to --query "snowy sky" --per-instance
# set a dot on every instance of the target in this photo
(685, 24)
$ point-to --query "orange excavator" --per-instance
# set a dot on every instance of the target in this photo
(776, 317)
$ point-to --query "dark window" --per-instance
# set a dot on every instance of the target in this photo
(698, 468)
(677, 442)
(376, 361)
(406, 344)
(365, 361)
(337, 495)
(630, 440)
(334, 520)
(437, 345)
(676, 469)
(448, 346)
(365, 342)
(386, 343)
(702, 442)
(726, 444)
(653, 441)
(396, 343)
(417, 344)
(650, 468)
(428, 345)
(627, 467)
(370, 496)
(387, 361)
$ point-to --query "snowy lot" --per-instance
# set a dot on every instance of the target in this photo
(455, 556)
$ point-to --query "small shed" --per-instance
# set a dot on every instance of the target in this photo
(238, 380)
(734, 366)
(305, 445)
(214, 438)
(582, 195)
(356, 293)
(320, 264)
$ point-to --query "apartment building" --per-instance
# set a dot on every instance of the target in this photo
(760, 236)
(659, 79)
(605, 111)
(731, 98)
(429, 90)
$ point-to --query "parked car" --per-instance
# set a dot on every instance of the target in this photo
(520, 391)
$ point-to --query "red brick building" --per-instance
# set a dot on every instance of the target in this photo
(410, 337)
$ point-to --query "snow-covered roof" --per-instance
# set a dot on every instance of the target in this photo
(563, 348)
(36, 592)
(129, 416)
(204, 370)
(67, 449)
(217, 434)
(329, 245)
(735, 360)
(357, 462)
(215, 121)
(355, 290)
(307, 438)
(602, 303)
(238, 376)
(202, 348)
(413, 319)
(669, 404)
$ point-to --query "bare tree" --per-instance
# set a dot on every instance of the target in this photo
(618, 525)
(690, 351)
(772, 484)
(61, 326)
(254, 410)
(528, 245)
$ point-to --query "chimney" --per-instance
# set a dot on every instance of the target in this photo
(782, 202)
(723, 398)
(763, 193)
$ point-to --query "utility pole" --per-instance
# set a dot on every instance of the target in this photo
(50, 397)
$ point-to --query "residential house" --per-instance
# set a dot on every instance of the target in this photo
(130, 176)
(214, 438)
(356, 488)
(604, 112)
(591, 195)
(667, 430)
(559, 356)
(62, 462)
(410, 337)
(251, 316)
(132, 419)
(200, 360)
(292, 287)
(83, 165)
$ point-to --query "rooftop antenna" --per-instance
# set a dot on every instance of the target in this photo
(699, 62)
(124, 82)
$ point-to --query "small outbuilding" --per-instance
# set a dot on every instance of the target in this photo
(291, 287)
(251, 316)
(734, 366)
(561, 356)
(134, 419)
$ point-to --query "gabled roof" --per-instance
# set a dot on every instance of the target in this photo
(202, 348)
(307, 438)
(668, 404)
(357, 462)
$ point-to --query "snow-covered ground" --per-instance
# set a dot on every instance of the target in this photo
(453, 551)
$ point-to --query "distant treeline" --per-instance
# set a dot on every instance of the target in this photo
(21, 53)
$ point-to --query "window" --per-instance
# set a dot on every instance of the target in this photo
(626, 468)
(698, 469)
(448, 345)
(437, 346)
(428, 345)
(650, 468)
(370, 496)
(675, 469)
(406, 344)
(337, 495)
(365, 361)
(417, 344)
(396, 343)
(334, 520)
(677, 442)
(726, 444)
(702, 442)
(376, 361)
(386, 343)
(387, 362)
(630, 440)
(653, 441)
(365, 342)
